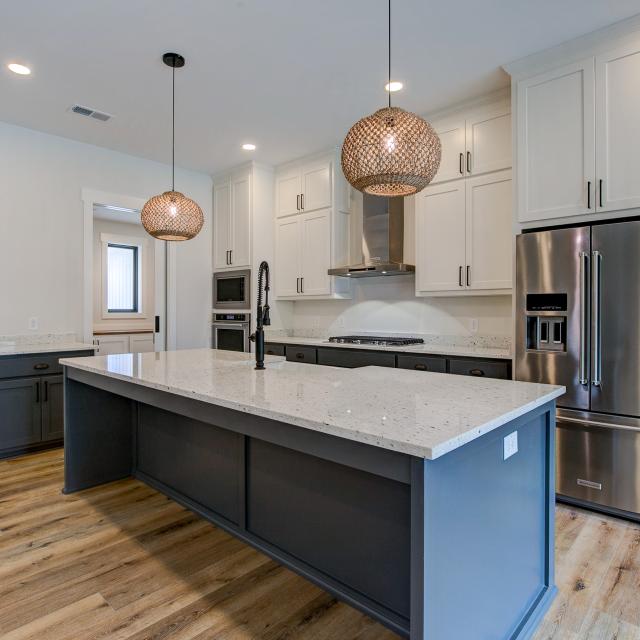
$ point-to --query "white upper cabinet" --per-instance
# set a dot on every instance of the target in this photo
(488, 232)
(618, 128)
(312, 229)
(488, 138)
(221, 224)
(474, 142)
(288, 190)
(463, 237)
(556, 143)
(452, 140)
(440, 233)
(233, 205)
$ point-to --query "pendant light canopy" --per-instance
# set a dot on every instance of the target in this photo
(171, 215)
(391, 152)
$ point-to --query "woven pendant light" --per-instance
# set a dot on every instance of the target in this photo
(171, 215)
(391, 152)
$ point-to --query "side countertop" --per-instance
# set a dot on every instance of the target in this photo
(465, 351)
(418, 413)
(25, 348)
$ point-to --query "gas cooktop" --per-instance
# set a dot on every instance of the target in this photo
(379, 340)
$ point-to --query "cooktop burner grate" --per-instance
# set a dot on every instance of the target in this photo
(379, 340)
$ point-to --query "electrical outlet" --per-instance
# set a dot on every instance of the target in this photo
(33, 323)
(473, 325)
(510, 445)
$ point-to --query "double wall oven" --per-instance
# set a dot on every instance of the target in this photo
(578, 325)
(231, 324)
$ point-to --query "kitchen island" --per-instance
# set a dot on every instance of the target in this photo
(405, 494)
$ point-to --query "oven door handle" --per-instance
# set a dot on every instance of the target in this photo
(225, 325)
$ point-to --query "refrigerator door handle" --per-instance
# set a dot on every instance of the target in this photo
(584, 327)
(597, 320)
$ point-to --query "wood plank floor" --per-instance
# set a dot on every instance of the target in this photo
(123, 562)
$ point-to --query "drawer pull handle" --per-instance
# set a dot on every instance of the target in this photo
(420, 367)
(476, 372)
(41, 365)
(300, 356)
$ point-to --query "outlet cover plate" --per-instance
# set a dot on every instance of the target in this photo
(510, 445)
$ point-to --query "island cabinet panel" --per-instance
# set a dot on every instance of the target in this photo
(351, 525)
(198, 460)
(480, 368)
(503, 517)
(357, 358)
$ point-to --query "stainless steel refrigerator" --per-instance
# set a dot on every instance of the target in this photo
(578, 324)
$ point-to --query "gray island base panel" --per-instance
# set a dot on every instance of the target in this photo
(460, 546)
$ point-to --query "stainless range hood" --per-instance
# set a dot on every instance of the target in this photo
(382, 240)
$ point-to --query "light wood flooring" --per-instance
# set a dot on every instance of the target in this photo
(123, 562)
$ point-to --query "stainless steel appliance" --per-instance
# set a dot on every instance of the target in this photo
(382, 240)
(230, 331)
(578, 325)
(232, 289)
(377, 340)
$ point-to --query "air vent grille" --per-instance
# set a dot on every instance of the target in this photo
(91, 113)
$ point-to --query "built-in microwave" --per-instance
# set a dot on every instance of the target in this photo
(231, 289)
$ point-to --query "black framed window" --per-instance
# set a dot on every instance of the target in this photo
(122, 278)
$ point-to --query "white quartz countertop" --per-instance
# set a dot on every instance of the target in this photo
(25, 348)
(466, 351)
(418, 413)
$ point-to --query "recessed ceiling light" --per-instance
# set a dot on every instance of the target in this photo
(393, 86)
(20, 69)
(249, 147)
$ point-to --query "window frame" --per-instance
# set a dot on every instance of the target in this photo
(139, 244)
(136, 277)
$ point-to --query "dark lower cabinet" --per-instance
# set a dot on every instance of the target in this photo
(271, 349)
(296, 353)
(31, 402)
(436, 364)
(20, 421)
(339, 357)
(480, 368)
(52, 408)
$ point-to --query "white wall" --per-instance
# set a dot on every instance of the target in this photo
(41, 212)
(389, 305)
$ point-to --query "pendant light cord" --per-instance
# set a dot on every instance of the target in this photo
(173, 128)
(389, 67)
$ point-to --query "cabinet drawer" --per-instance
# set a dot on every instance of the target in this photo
(480, 368)
(338, 357)
(29, 365)
(301, 354)
(422, 363)
(272, 349)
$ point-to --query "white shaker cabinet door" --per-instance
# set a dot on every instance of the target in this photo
(110, 344)
(440, 238)
(316, 185)
(489, 254)
(556, 143)
(288, 269)
(288, 191)
(221, 225)
(453, 158)
(141, 342)
(240, 255)
(618, 128)
(488, 141)
(316, 253)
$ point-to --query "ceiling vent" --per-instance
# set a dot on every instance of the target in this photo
(90, 113)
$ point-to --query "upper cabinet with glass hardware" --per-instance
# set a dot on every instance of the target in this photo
(312, 228)
(474, 142)
(578, 132)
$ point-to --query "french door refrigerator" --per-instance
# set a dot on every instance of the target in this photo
(578, 325)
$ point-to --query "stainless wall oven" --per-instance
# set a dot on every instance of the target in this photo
(230, 331)
(578, 325)
(232, 289)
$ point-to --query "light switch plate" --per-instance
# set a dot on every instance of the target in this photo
(510, 445)
(33, 323)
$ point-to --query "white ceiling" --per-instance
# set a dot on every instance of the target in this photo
(289, 75)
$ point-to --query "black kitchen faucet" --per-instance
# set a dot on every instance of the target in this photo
(262, 316)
